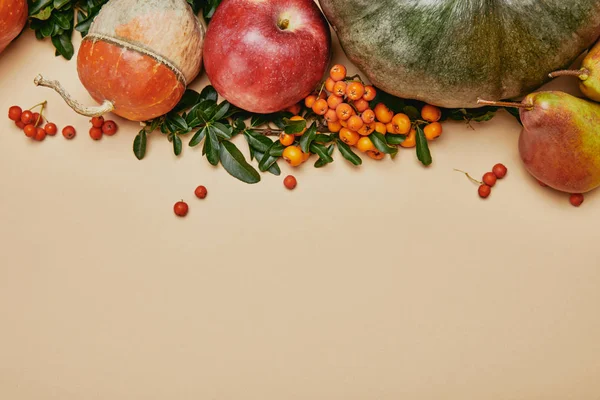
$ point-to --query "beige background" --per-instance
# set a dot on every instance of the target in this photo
(390, 281)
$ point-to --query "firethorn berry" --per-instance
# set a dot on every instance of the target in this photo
(370, 93)
(343, 123)
(431, 113)
(401, 124)
(320, 107)
(295, 109)
(310, 100)
(286, 139)
(27, 117)
(383, 113)
(14, 113)
(97, 121)
(389, 127)
(181, 209)
(339, 89)
(40, 134)
(305, 156)
(334, 126)
(68, 132)
(329, 84)
(330, 115)
(337, 72)
(576, 199)
(51, 128)
(37, 119)
(95, 133)
(376, 154)
(201, 192)
(489, 179)
(293, 155)
(323, 95)
(366, 129)
(109, 128)
(380, 127)
(411, 139)
(333, 101)
(30, 130)
(484, 191)
(364, 144)
(499, 170)
(290, 182)
(368, 116)
(361, 105)
(355, 90)
(298, 118)
(349, 137)
(433, 130)
(20, 124)
(344, 111)
(355, 122)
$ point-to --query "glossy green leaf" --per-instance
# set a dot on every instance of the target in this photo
(307, 138)
(234, 162)
(190, 98)
(221, 111)
(177, 145)
(423, 153)
(293, 127)
(258, 142)
(277, 149)
(395, 139)
(37, 6)
(209, 93)
(139, 145)
(223, 131)
(380, 143)
(63, 45)
(211, 148)
(43, 15)
(198, 137)
(322, 152)
(348, 154)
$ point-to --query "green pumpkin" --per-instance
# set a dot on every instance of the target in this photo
(449, 52)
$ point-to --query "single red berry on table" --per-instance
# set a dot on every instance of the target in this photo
(95, 133)
(290, 182)
(97, 122)
(109, 128)
(181, 209)
(484, 191)
(499, 170)
(14, 113)
(576, 199)
(68, 132)
(489, 179)
(30, 130)
(40, 134)
(51, 128)
(201, 192)
(27, 117)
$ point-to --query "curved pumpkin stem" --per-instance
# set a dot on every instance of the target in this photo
(505, 104)
(95, 111)
(582, 74)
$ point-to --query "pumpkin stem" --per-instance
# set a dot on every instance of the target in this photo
(505, 104)
(96, 111)
(582, 73)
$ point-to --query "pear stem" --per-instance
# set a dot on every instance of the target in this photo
(570, 72)
(96, 111)
(505, 104)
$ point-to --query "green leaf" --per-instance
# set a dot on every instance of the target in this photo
(223, 131)
(412, 112)
(209, 93)
(59, 3)
(423, 153)
(206, 110)
(190, 98)
(321, 151)
(47, 30)
(321, 162)
(277, 149)
(268, 160)
(177, 145)
(279, 118)
(198, 137)
(63, 20)
(323, 139)
(258, 142)
(293, 127)
(395, 139)
(139, 144)
(348, 153)
(211, 148)
(176, 123)
(307, 138)
(234, 162)
(275, 170)
(43, 15)
(380, 143)
(63, 45)
(515, 113)
(36, 6)
(258, 120)
(221, 111)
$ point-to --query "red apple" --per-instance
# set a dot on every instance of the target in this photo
(266, 55)
(13, 15)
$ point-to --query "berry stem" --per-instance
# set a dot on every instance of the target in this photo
(43, 104)
(582, 73)
(95, 111)
(321, 90)
(41, 113)
(469, 176)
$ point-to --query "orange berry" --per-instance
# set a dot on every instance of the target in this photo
(305, 156)
(344, 111)
(431, 113)
(329, 84)
(339, 89)
(389, 127)
(383, 113)
(361, 105)
(343, 123)
(293, 155)
(333, 101)
(330, 115)
(286, 139)
(375, 154)
(355, 122)
(337, 72)
(401, 123)
(298, 118)
(334, 126)
(433, 130)
(364, 144)
(380, 127)
(368, 116)
(370, 93)
(295, 109)
(367, 129)
(310, 100)
(323, 95)
(355, 90)
(349, 137)
(320, 107)
(411, 139)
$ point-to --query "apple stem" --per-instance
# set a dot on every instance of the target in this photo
(582, 73)
(283, 24)
(505, 104)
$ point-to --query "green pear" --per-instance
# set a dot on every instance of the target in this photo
(560, 140)
(588, 74)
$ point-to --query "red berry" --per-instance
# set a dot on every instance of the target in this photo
(576, 199)
(95, 133)
(484, 191)
(51, 128)
(37, 119)
(109, 128)
(30, 130)
(181, 209)
(68, 132)
(27, 117)
(14, 113)
(97, 122)
(489, 179)
(201, 192)
(40, 134)
(290, 182)
(20, 124)
(499, 170)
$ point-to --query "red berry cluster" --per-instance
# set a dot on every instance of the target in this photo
(489, 180)
(101, 127)
(181, 208)
(31, 122)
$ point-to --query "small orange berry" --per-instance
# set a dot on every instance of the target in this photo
(293, 155)
(339, 89)
(305, 156)
(380, 127)
(355, 90)
(370, 93)
(343, 123)
(329, 84)
(330, 115)
(298, 118)
(411, 139)
(364, 144)
(383, 113)
(310, 100)
(367, 129)
(389, 127)
(295, 109)
(431, 113)
(333, 101)
(286, 139)
(322, 95)
(334, 126)
(337, 72)
(368, 116)
(433, 130)
(344, 111)
(376, 154)
(401, 123)
(349, 137)
(320, 107)
(361, 105)
(355, 122)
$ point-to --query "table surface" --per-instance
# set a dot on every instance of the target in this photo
(389, 281)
